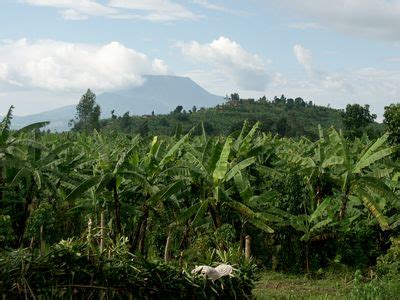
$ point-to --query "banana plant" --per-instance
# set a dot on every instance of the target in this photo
(107, 174)
(5, 153)
(36, 173)
(213, 167)
(313, 226)
(358, 183)
(157, 179)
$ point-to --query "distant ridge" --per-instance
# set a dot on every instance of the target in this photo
(159, 93)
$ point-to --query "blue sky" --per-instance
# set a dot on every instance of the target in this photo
(330, 52)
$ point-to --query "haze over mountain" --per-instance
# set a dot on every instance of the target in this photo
(159, 93)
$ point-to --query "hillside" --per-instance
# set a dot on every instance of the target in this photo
(160, 94)
(287, 118)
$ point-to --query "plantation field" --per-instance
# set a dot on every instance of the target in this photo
(202, 149)
(90, 214)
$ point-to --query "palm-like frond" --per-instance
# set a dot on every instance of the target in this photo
(31, 127)
(5, 126)
(369, 204)
(254, 218)
(82, 188)
(222, 164)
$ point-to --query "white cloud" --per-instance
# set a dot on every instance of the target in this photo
(304, 57)
(220, 8)
(151, 10)
(326, 80)
(155, 10)
(159, 67)
(246, 70)
(75, 9)
(377, 87)
(47, 64)
(367, 18)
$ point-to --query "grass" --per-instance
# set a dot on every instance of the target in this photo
(274, 285)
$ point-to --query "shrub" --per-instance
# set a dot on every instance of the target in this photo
(73, 269)
(388, 265)
(387, 284)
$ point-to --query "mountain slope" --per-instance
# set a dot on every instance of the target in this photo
(160, 94)
(293, 120)
(58, 118)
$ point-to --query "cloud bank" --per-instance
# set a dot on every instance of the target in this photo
(151, 10)
(375, 86)
(248, 71)
(61, 66)
(367, 18)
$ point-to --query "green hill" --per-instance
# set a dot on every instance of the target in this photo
(286, 117)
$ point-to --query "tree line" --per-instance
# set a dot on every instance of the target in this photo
(283, 116)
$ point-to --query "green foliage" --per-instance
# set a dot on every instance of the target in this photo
(392, 122)
(68, 270)
(42, 216)
(225, 236)
(356, 118)
(374, 289)
(284, 117)
(385, 284)
(190, 199)
(388, 265)
(274, 285)
(359, 247)
(6, 232)
(87, 113)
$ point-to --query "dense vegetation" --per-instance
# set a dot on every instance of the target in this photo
(93, 213)
(283, 116)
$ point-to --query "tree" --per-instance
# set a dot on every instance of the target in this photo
(178, 109)
(290, 103)
(164, 122)
(356, 118)
(262, 99)
(144, 128)
(282, 126)
(299, 101)
(87, 113)
(125, 121)
(392, 122)
(113, 116)
(281, 100)
(235, 97)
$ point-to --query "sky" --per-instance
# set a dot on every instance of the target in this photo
(329, 52)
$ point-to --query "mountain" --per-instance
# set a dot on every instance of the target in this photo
(160, 94)
(58, 118)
